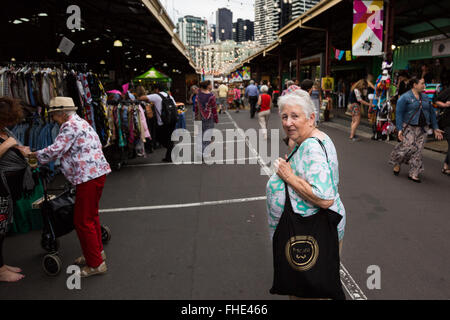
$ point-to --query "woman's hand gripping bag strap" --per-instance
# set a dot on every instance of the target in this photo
(306, 254)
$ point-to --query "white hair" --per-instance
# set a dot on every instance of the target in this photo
(298, 98)
(264, 89)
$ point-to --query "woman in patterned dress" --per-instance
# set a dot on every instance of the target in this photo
(312, 180)
(414, 117)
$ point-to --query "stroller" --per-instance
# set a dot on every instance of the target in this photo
(383, 128)
(57, 214)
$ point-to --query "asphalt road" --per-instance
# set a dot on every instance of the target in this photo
(170, 242)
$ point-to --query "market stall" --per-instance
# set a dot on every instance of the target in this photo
(85, 49)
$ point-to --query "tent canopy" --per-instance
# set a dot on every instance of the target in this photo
(153, 75)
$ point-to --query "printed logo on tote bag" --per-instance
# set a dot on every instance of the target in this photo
(302, 252)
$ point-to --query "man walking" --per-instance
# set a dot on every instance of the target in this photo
(223, 95)
(252, 93)
(163, 130)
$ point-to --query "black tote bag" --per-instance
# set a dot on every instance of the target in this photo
(306, 254)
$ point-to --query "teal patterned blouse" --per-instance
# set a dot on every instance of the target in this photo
(310, 164)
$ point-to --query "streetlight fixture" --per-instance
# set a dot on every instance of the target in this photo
(118, 43)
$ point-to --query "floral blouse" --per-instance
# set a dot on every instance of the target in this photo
(310, 164)
(80, 151)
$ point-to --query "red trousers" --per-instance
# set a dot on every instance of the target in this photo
(87, 222)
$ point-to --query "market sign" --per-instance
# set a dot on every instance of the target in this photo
(327, 83)
(367, 39)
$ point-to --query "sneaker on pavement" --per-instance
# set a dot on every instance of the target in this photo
(87, 271)
(81, 261)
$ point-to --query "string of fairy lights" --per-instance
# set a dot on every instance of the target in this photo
(222, 57)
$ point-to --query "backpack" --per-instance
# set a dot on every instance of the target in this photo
(169, 113)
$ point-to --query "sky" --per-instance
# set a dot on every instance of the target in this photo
(243, 9)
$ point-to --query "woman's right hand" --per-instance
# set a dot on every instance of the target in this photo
(400, 136)
(24, 150)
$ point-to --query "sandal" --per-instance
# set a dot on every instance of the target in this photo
(87, 271)
(415, 180)
(396, 172)
(446, 171)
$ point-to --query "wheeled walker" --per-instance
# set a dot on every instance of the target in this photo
(57, 214)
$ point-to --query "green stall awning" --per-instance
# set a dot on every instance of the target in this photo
(153, 75)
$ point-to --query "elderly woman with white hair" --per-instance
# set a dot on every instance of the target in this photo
(264, 103)
(84, 165)
(309, 179)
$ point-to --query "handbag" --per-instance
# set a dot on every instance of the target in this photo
(306, 254)
(443, 118)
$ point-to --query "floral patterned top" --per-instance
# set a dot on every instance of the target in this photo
(80, 151)
(310, 164)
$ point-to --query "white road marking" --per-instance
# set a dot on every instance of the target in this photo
(346, 279)
(224, 142)
(252, 149)
(183, 205)
(184, 163)
(350, 285)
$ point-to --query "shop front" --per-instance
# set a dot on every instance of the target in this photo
(83, 50)
(413, 58)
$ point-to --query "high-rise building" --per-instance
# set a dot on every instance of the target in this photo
(193, 32)
(272, 15)
(224, 24)
(285, 12)
(299, 7)
(243, 30)
(266, 21)
(212, 32)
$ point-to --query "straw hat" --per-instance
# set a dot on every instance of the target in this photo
(62, 104)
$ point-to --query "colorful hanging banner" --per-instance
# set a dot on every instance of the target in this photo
(367, 37)
(246, 73)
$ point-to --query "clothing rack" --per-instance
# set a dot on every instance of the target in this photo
(62, 65)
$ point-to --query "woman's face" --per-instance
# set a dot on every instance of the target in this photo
(420, 87)
(59, 117)
(295, 123)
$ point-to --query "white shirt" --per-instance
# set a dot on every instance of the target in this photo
(157, 101)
